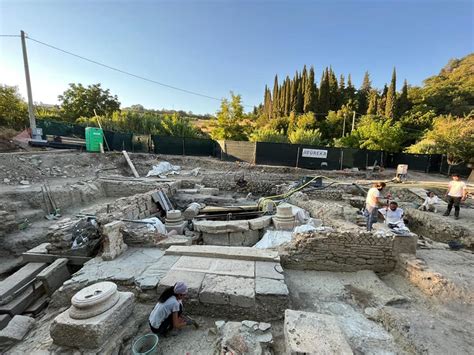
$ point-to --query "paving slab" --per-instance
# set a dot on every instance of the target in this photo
(195, 263)
(269, 270)
(192, 279)
(21, 301)
(313, 333)
(212, 251)
(228, 290)
(221, 239)
(270, 287)
(152, 275)
(54, 275)
(40, 249)
(14, 282)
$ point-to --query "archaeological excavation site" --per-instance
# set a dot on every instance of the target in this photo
(276, 260)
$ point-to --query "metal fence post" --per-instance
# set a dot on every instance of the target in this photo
(298, 157)
(341, 156)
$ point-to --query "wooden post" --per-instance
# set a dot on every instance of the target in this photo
(130, 164)
(297, 157)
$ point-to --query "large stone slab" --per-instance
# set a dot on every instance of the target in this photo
(228, 290)
(271, 287)
(243, 268)
(113, 243)
(15, 330)
(212, 251)
(216, 227)
(150, 278)
(269, 270)
(13, 283)
(54, 275)
(260, 222)
(313, 333)
(4, 319)
(221, 239)
(22, 300)
(192, 279)
(91, 333)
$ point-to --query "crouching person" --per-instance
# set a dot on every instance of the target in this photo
(431, 202)
(168, 312)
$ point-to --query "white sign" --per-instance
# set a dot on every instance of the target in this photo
(315, 153)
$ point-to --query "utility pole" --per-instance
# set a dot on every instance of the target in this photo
(353, 120)
(344, 126)
(31, 110)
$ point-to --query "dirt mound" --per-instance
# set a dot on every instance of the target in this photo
(6, 140)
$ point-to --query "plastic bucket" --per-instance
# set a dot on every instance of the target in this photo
(146, 344)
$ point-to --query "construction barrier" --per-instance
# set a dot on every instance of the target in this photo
(264, 153)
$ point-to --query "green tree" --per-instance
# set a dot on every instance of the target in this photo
(403, 104)
(305, 136)
(310, 93)
(373, 102)
(268, 135)
(391, 103)
(228, 122)
(375, 133)
(323, 101)
(276, 99)
(364, 93)
(13, 110)
(79, 101)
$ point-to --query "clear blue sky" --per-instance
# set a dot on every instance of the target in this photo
(213, 47)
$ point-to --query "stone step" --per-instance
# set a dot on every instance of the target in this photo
(212, 251)
(15, 282)
(4, 319)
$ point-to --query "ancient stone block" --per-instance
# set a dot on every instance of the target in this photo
(91, 333)
(216, 239)
(221, 226)
(405, 245)
(14, 282)
(113, 240)
(233, 267)
(313, 333)
(15, 330)
(260, 222)
(54, 275)
(269, 270)
(192, 279)
(4, 319)
(251, 238)
(270, 287)
(241, 253)
(235, 291)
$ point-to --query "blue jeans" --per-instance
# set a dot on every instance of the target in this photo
(371, 217)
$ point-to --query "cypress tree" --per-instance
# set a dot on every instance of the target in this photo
(350, 90)
(363, 94)
(288, 97)
(309, 93)
(403, 104)
(342, 89)
(334, 102)
(391, 102)
(373, 101)
(381, 102)
(300, 96)
(323, 102)
(294, 92)
(276, 101)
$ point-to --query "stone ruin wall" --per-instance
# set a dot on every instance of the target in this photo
(340, 251)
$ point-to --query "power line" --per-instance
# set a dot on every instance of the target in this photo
(126, 72)
(10, 36)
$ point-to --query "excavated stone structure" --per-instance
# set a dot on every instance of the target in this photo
(174, 221)
(96, 314)
(284, 219)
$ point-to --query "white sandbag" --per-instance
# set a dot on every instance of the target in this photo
(164, 168)
(154, 224)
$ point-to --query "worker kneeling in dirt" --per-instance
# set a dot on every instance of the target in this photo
(393, 216)
(168, 312)
(431, 202)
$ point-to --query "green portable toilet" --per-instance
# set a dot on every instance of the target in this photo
(94, 138)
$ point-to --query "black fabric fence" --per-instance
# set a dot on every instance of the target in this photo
(280, 154)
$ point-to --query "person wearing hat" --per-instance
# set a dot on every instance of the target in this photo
(167, 314)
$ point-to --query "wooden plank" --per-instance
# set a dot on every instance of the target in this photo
(130, 164)
(49, 258)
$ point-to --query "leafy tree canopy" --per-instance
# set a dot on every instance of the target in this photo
(13, 110)
(79, 101)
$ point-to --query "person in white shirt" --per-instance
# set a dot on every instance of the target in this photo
(457, 192)
(167, 314)
(431, 201)
(372, 202)
(393, 215)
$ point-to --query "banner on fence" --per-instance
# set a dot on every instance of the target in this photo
(315, 153)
